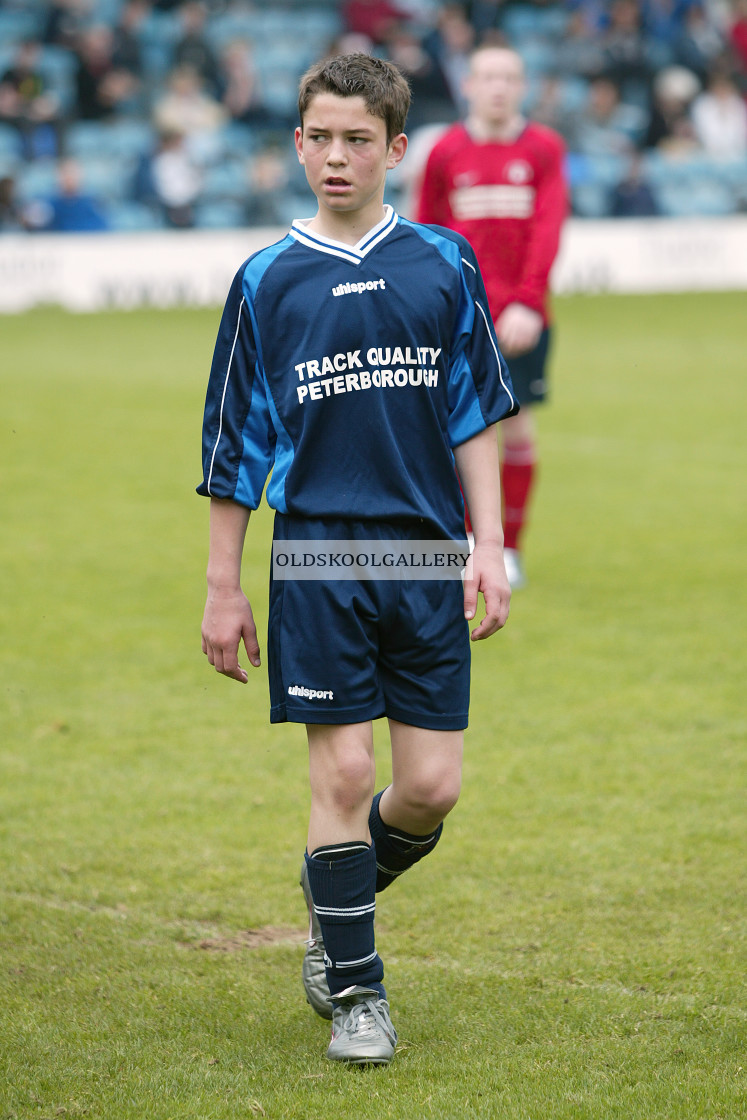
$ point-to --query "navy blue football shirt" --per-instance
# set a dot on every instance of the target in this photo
(350, 373)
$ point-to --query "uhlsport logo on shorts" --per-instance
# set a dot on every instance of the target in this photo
(310, 693)
(371, 559)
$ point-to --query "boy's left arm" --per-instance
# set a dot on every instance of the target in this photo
(479, 473)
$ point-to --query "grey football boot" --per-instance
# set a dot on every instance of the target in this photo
(362, 1032)
(313, 971)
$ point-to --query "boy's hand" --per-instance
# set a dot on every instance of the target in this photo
(228, 619)
(486, 573)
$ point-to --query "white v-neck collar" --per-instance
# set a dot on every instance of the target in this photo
(353, 253)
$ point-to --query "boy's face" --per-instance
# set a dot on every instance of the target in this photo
(495, 86)
(345, 153)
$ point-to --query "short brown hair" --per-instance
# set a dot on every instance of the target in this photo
(380, 84)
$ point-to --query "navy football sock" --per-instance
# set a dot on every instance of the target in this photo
(396, 850)
(342, 878)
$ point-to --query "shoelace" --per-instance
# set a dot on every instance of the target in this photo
(365, 1018)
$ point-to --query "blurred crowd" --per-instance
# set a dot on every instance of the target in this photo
(142, 114)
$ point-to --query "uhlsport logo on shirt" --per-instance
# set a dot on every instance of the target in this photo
(310, 693)
(359, 287)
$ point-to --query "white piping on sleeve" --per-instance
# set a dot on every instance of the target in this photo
(223, 398)
(497, 353)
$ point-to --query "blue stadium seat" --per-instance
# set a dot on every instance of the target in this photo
(36, 180)
(524, 20)
(17, 24)
(574, 92)
(318, 26)
(538, 55)
(661, 169)
(607, 170)
(107, 178)
(122, 139)
(130, 217)
(274, 24)
(220, 215)
(591, 200)
(242, 24)
(734, 172)
(226, 180)
(577, 169)
(157, 58)
(705, 198)
(280, 89)
(10, 143)
(106, 11)
(238, 139)
(129, 137)
(87, 138)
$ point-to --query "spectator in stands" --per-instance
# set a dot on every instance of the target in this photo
(175, 179)
(70, 209)
(486, 16)
(65, 22)
(625, 51)
(27, 103)
(12, 216)
(186, 106)
(720, 117)
(594, 13)
(670, 126)
(431, 97)
(738, 33)
(633, 197)
(193, 48)
(698, 43)
(126, 51)
(269, 181)
(579, 52)
(548, 106)
(241, 89)
(662, 19)
(607, 125)
(102, 87)
(451, 45)
(376, 19)
(349, 42)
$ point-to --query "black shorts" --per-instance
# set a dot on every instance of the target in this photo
(347, 651)
(528, 371)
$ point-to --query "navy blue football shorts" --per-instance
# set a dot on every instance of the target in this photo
(347, 651)
(529, 371)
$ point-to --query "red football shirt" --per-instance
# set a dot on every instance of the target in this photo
(509, 200)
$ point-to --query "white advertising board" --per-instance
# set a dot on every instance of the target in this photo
(92, 272)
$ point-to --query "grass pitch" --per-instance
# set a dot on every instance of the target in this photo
(574, 948)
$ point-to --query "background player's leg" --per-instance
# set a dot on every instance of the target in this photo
(518, 476)
(340, 860)
(406, 818)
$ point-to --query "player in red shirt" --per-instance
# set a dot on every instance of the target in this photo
(498, 180)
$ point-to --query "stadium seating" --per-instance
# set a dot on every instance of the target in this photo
(285, 37)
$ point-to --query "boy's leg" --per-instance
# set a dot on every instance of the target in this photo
(341, 866)
(340, 861)
(406, 818)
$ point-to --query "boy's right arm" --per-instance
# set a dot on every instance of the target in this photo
(228, 617)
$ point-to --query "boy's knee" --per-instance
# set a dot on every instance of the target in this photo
(435, 796)
(355, 776)
(344, 779)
